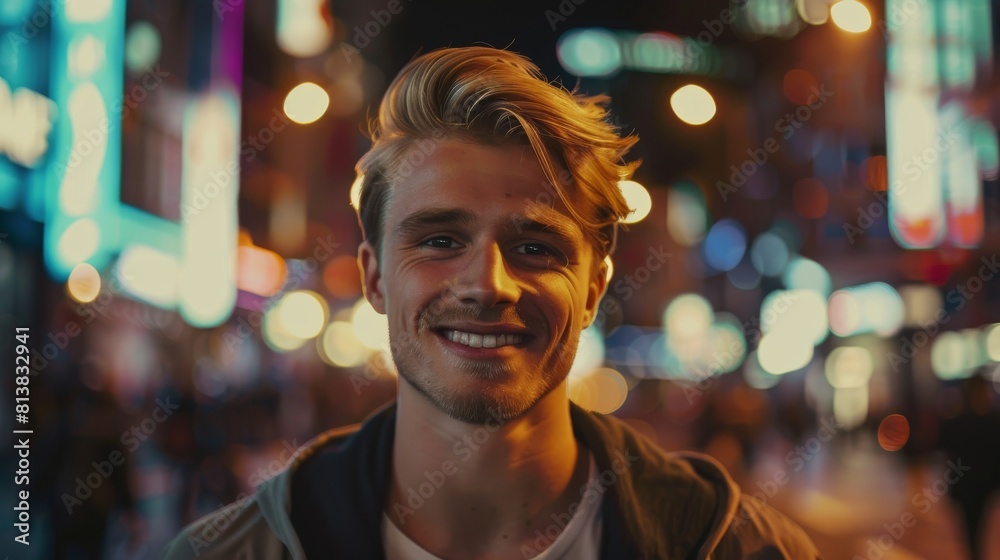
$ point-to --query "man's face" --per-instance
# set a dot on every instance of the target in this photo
(485, 278)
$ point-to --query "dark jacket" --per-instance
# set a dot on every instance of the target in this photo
(663, 505)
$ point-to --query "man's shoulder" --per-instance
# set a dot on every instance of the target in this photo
(695, 492)
(761, 531)
(238, 530)
(255, 526)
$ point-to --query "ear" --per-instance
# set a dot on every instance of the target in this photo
(371, 276)
(595, 291)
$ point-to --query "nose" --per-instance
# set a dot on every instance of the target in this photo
(486, 279)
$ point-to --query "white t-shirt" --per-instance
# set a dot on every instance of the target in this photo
(579, 540)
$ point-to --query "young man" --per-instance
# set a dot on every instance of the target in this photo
(489, 204)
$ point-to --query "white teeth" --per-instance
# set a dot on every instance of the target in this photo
(474, 340)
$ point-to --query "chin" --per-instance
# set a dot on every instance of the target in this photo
(479, 401)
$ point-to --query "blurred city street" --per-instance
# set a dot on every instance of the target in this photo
(806, 286)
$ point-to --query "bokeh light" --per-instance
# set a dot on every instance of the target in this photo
(922, 304)
(726, 347)
(784, 353)
(949, 356)
(84, 283)
(815, 12)
(806, 274)
(276, 336)
(590, 52)
(259, 271)
(795, 315)
(79, 242)
(693, 104)
(725, 244)
(302, 313)
(589, 352)
(142, 46)
(603, 390)
(370, 326)
(86, 55)
(849, 367)
(850, 407)
(991, 341)
(340, 347)
(873, 307)
(686, 213)
(769, 254)
(306, 103)
(303, 30)
(149, 274)
(893, 432)
(688, 316)
(638, 200)
(851, 16)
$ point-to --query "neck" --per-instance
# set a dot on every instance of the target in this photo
(459, 488)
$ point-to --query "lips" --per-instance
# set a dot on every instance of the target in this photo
(480, 340)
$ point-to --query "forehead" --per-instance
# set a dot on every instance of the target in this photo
(503, 181)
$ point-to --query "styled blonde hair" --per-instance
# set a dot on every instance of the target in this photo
(493, 96)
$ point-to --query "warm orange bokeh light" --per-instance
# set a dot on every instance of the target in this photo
(893, 432)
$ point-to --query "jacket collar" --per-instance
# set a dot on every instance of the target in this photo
(643, 487)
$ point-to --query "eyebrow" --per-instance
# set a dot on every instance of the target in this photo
(538, 222)
(420, 220)
(548, 224)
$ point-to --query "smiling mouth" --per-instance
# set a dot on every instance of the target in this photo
(474, 340)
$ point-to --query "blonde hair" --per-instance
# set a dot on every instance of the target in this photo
(494, 96)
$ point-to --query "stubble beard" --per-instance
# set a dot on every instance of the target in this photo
(498, 404)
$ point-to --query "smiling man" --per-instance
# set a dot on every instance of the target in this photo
(489, 205)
